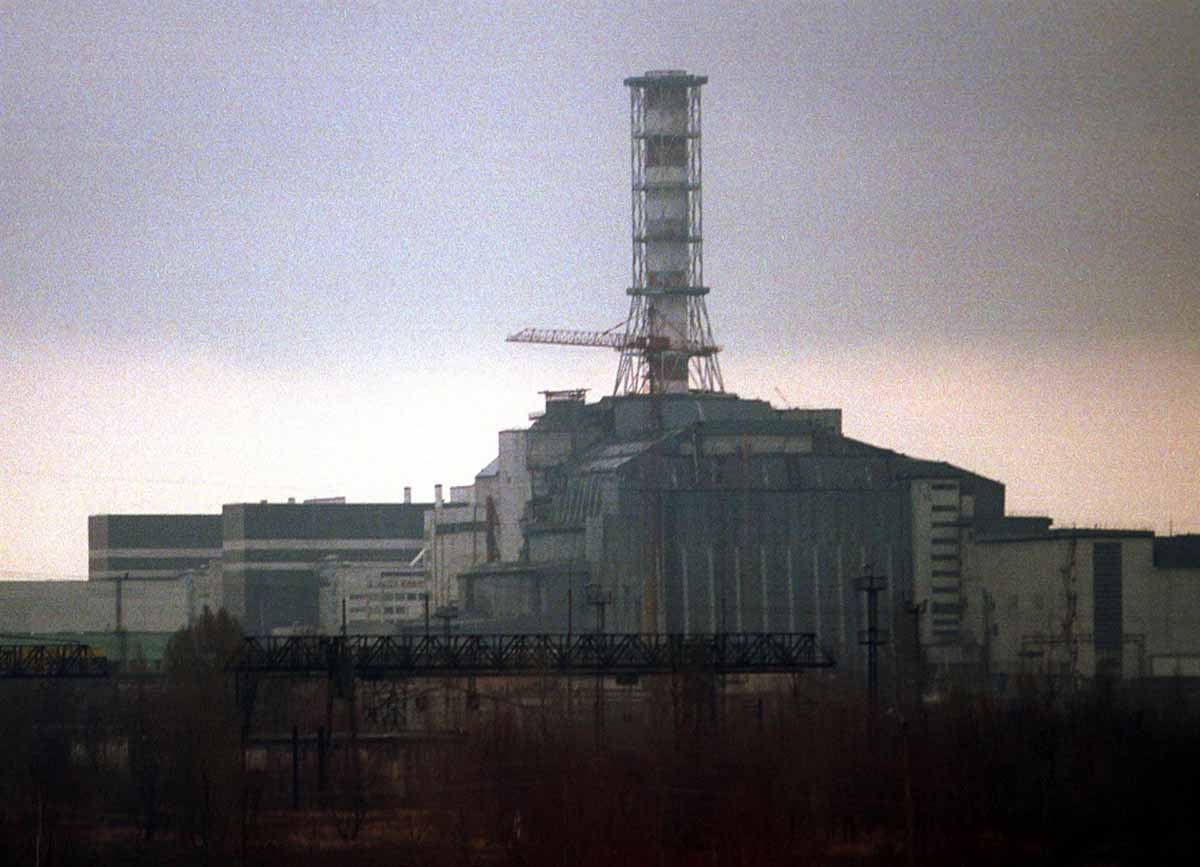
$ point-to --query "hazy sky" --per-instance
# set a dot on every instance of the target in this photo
(254, 250)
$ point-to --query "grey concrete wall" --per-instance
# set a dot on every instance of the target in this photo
(762, 561)
(91, 606)
(1018, 610)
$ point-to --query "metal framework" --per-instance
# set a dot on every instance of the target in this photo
(666, 344)
(26, 661)
(637, 343)
(667, 318)
(531, 654)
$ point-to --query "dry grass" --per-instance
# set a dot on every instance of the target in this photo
(761, 774)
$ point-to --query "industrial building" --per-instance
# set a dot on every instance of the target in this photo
(702, 513)
(1080, 603)
(373, 597)
(271, 552)
(45, 607)
(674, 506)
(735, 516)
(151, 547)
(275, 566)
(681, 508)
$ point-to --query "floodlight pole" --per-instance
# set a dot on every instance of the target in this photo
(599, 599)
(872, 585)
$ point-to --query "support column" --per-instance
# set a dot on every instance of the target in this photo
(766, 620)
(683, 575)
(737, 588)
(817, 590)
(712, 592)
(791, 585)
(841, 592)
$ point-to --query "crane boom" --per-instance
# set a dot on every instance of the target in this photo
(618, 340)
(569, 337)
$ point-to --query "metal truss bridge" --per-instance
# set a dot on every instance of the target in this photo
(531, 654)
(27, 661)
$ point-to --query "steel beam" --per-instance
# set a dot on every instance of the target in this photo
(529, 654)
(27, 661)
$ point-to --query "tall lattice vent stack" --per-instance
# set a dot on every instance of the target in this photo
(668, 345)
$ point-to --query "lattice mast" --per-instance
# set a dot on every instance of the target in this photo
(668, 346)
(666, 343)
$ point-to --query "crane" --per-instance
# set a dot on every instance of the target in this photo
(613, 339)
(666, 342)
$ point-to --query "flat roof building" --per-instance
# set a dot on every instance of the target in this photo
(273, 551)
(266, 554)
(151, 547)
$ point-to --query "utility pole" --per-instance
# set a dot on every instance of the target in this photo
(989, 607)
(599, 599)
(570, 650)
(914, 610)
(1070, 611)
(122, 638)
(872, 585)
(446, 613)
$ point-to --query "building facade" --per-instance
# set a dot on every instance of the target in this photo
(151, 547)
(708, 513)
(1072, 604)
(372, 598)
(258, 561)
(273, 550)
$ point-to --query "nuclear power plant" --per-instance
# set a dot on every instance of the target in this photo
(669, 506)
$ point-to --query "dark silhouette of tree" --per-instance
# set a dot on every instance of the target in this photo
(198, 655)
(202, 732)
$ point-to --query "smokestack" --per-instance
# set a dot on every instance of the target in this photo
(437, 495)
(407, 494)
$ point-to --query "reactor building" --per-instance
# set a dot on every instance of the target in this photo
(682, 508)
(669, 506)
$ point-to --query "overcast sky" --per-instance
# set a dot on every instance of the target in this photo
(254, 250)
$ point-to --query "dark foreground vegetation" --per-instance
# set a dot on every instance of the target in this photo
(154, 771)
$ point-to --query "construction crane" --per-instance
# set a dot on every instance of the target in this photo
(666, 342)
(612, 339)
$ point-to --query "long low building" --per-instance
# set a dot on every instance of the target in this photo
(686, 513)
(151, 547)
(1080, 603)
(271, 552)
(46, 607)
(275, 566)
(259, 561)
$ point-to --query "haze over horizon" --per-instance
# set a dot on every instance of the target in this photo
(266, 250)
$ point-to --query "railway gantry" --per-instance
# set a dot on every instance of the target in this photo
(30, 661)
(529, 654)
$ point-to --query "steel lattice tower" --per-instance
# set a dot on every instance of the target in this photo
(668, 344)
